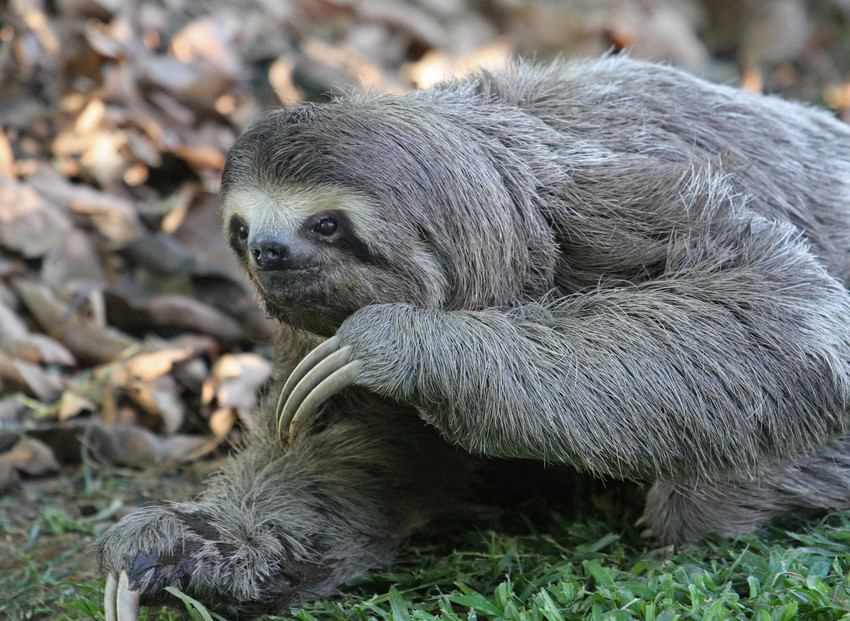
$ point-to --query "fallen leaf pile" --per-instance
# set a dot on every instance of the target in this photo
(127, 331)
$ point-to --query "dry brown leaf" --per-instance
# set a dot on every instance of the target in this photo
(209, 39)
(7, 159)
(222, 421)
(38, 348)
(31, 457)
(147, 366)
(238, 378)
(92, 147)
(180, 449)
(91, 117)
(234, 383)
(280, 79)
(84, 337)
(199, 83)
(115, 217)
(30, 378)
(126, 445)
(74, 265)
(159, 397)
(208, 391)
(29, 223)
(12, 327)
(72, 404)
(17, 341)
(201, 156)
(184, 312)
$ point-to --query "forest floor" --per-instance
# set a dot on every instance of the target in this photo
(132, 349)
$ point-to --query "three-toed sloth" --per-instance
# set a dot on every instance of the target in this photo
(608, 264)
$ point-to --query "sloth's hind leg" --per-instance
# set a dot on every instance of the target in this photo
(795, 488)
(278, 526)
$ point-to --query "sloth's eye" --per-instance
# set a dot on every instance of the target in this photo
(238, 229)
(326, 226)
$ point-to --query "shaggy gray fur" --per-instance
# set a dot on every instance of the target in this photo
(609, 264)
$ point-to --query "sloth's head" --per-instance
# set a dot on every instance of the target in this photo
(334, 207)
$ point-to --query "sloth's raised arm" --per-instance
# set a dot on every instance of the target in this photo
(738, 354)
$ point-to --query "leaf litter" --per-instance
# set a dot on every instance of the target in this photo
(129, 337)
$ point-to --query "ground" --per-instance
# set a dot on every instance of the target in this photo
(542, 560)
(132, 350)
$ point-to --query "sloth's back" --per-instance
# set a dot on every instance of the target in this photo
(791, 161)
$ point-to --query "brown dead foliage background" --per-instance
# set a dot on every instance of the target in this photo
(126, 330)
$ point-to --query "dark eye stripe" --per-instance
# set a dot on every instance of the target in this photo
(346, 240)
(237, 230)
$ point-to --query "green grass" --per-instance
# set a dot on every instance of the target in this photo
(581, 570)
(588, 564)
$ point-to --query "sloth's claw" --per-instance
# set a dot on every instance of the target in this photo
(110, 597)
(324, 372)
(120, 603)
(127, 603)
(342, 378)
(303, 367)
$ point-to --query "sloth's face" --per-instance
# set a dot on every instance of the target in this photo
(316, 255)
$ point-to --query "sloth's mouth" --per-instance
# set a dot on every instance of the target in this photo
(296, 297)
(292, 272)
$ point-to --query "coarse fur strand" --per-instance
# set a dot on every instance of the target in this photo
(608, 264)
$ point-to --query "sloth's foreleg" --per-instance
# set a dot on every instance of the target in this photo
(737, 356)
(279, 526)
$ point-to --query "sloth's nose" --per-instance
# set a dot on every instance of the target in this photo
(270, 254)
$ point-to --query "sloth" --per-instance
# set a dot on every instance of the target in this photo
(607, 264)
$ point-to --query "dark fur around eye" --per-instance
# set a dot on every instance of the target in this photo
(237, 233)
(342, 236)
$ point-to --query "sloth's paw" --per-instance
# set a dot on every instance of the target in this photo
(231, 568)
(375, 348)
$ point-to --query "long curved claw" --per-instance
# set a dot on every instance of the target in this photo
(341, 378)
(127, 602)
(109, 598)
(303, 367)
(305, 377)
(324, 371)
(120, 602)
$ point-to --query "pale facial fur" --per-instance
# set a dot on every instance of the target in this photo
(339, 280)
(287, 207)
